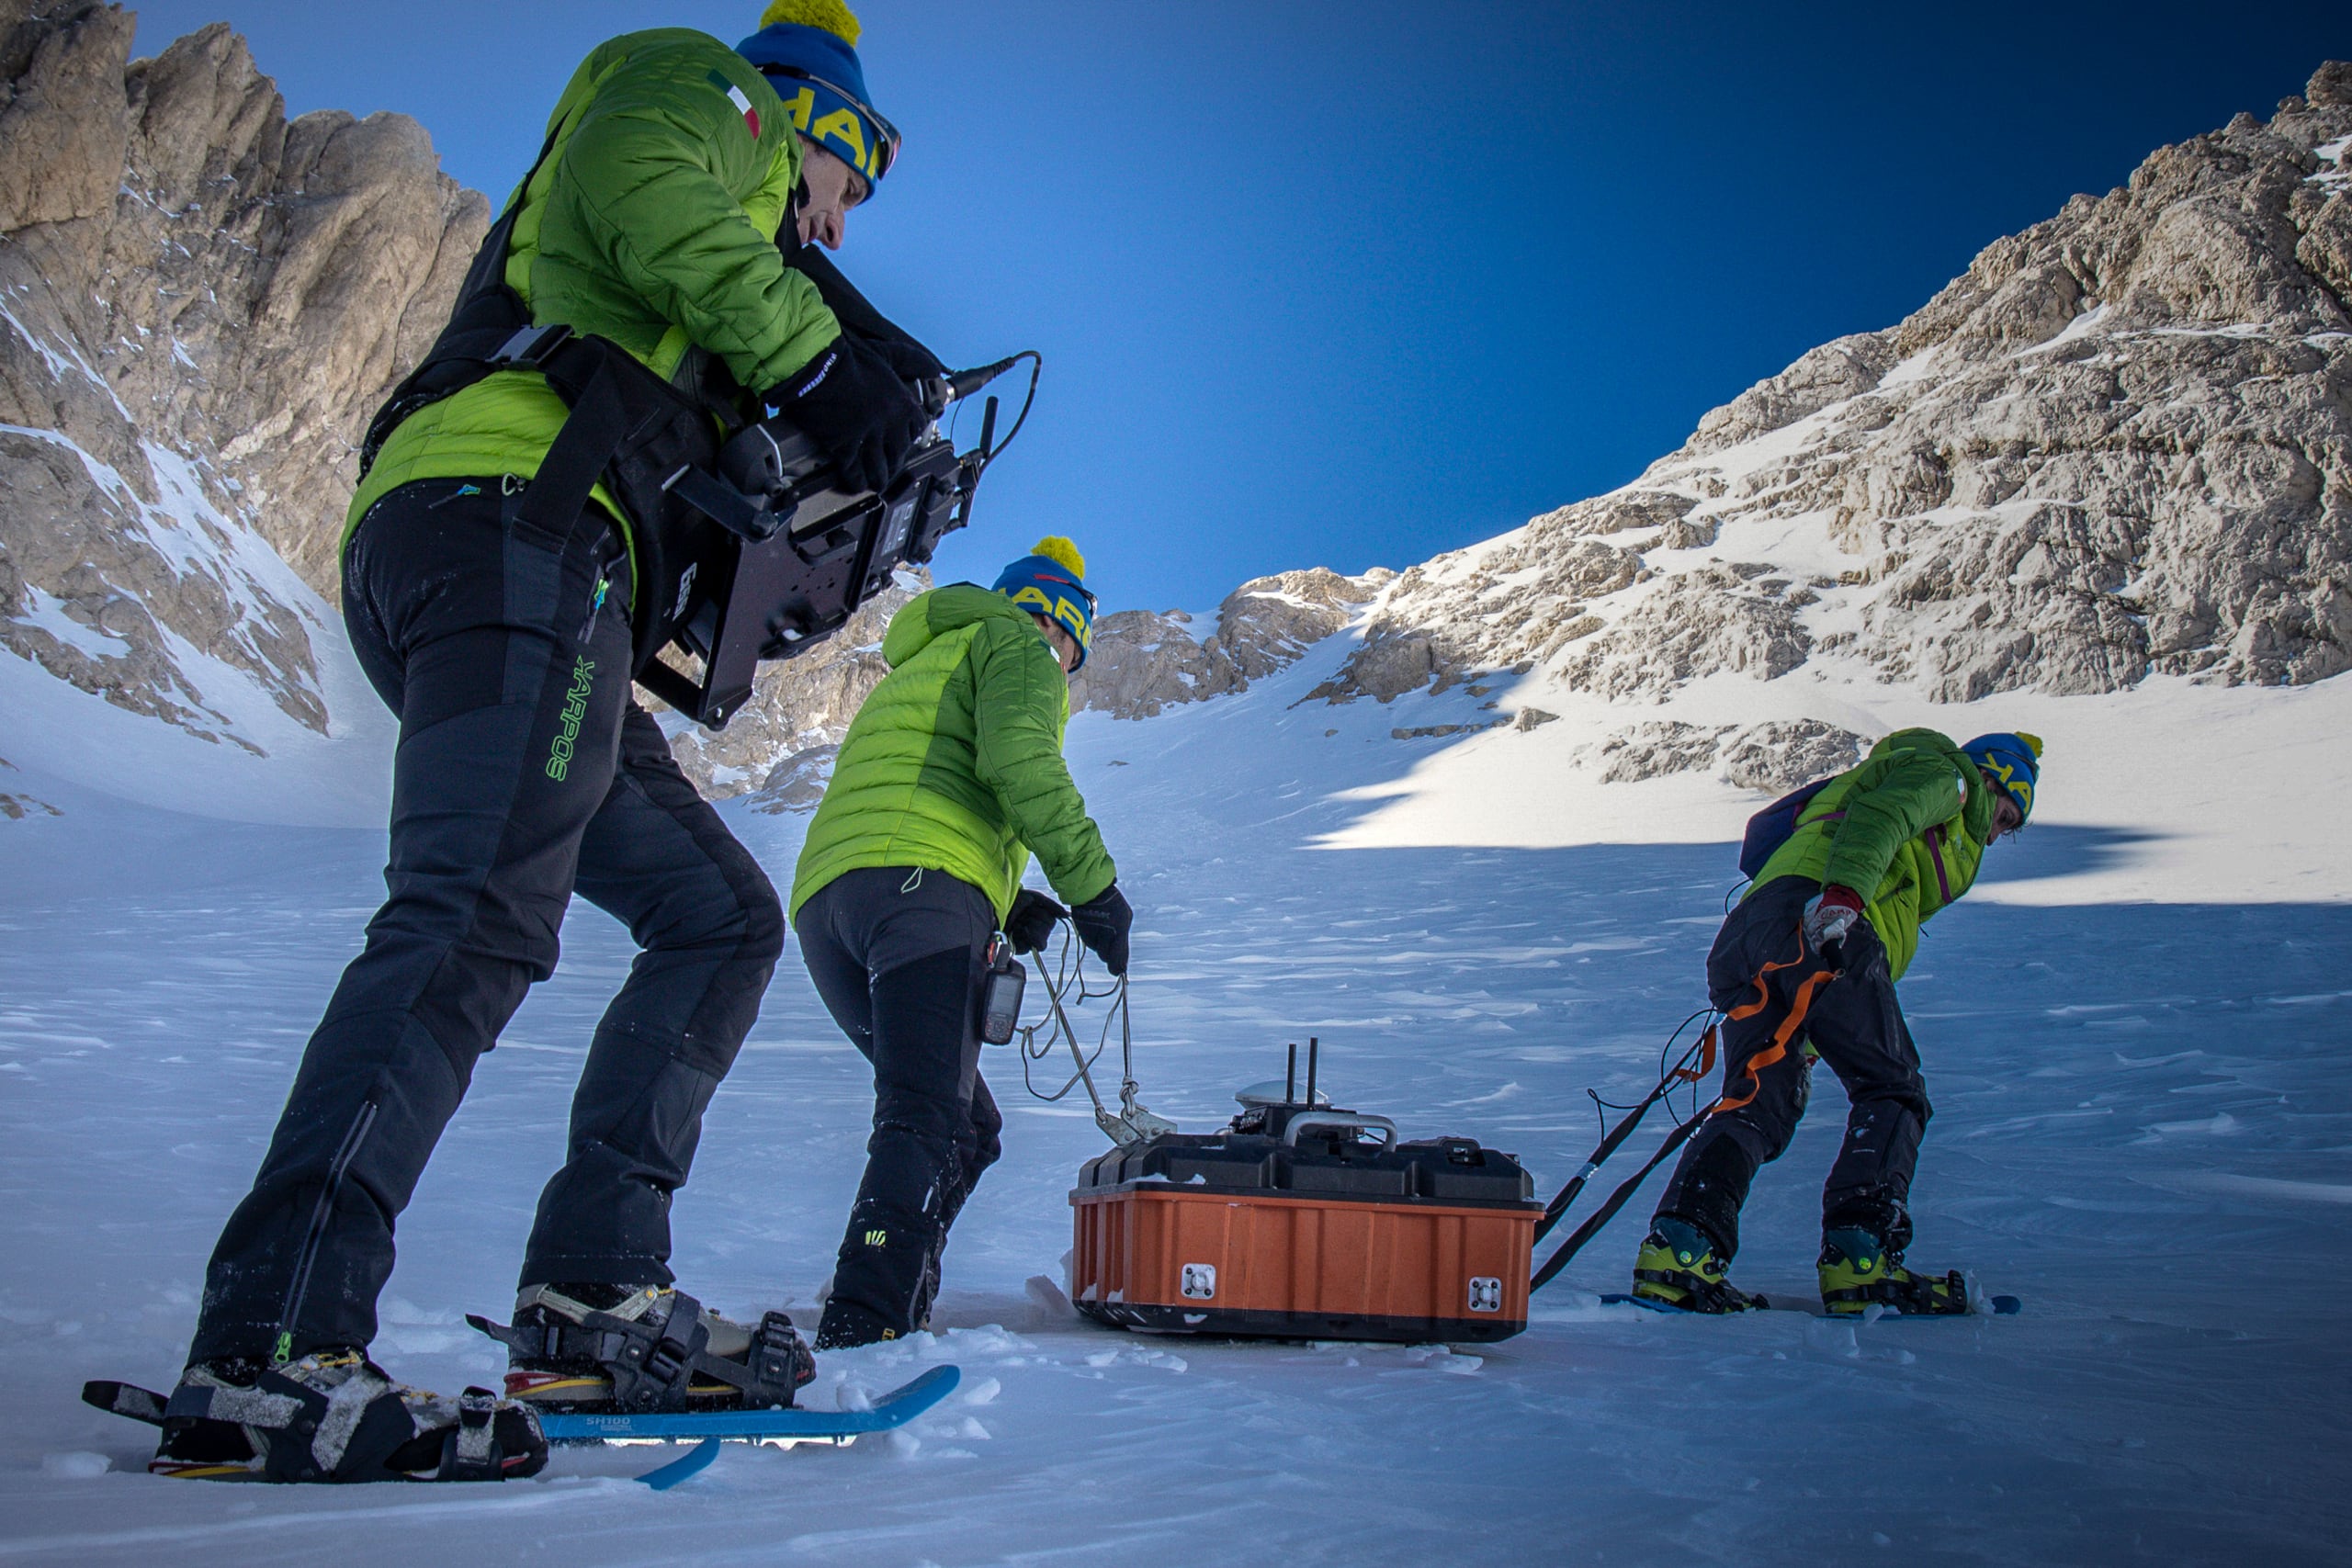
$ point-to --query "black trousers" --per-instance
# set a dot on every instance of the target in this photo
(524, 772)
(898, 956)
(1856, 1024)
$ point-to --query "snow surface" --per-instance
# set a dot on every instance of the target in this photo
(2133, 1034)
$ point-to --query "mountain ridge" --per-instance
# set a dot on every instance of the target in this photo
(2119, 445)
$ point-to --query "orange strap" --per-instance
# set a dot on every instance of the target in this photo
(1706, 1061)
(1779, 1049)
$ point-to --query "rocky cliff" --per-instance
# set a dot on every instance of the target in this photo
(200, 303)
(2119, 445)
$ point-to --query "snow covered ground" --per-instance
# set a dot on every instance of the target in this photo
(2135, 1041)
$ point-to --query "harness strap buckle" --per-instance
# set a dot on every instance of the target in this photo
(531, 346)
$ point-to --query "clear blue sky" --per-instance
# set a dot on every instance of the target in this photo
(1350, 285)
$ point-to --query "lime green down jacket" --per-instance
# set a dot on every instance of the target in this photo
(1905, 830)
(651, 222)
(955, 764)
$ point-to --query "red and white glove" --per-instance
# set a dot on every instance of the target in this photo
(1830, 914)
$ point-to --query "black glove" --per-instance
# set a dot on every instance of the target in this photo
(856, 409)
(1031, 924)
(1102, 922)
(909, 359)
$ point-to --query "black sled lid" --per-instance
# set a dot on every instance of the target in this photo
(1318, 1151)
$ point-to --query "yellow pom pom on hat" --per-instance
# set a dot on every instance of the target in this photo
(830, 15)
(1050, 581)
(1055, 547)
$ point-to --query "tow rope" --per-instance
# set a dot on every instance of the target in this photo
(1130, 1124)
(1681, 1072)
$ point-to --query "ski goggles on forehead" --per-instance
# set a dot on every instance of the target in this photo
(882, 148)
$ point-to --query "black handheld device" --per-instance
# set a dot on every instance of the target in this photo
(795, 552)
(1000, 990)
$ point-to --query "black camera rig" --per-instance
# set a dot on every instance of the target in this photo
(794, 553)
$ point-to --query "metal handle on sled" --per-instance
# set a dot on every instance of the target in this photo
(1380, 1124)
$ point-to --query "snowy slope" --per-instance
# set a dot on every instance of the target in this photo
(259, 765)
(2141, 1083)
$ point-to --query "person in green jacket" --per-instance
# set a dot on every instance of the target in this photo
(1805, 965)
(950, 777)
(662, 216)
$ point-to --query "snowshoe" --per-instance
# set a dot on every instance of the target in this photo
(613, 1347)
(1677, 1267)
(333, 1415)
(1858, 1271)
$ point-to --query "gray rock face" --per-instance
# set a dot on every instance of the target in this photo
(16, 806)
(200, 303)
(1778, 758)
(1652, 750)
(797, 782)
(1142, 662)
(1696, 623)
(1774, 757)
(2119, 445)
(1843, 368)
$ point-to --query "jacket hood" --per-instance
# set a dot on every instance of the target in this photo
(1976, 812)
(929, 617)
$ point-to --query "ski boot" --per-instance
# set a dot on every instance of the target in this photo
(848, 1323)
(614, 1348)
(334, 1415)
(1858, 1271)
(846, 1326)
(1677, 1267)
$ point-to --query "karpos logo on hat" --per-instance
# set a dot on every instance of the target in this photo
(1058, 608)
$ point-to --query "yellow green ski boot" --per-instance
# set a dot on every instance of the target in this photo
(1858, 1272)
(1677, 1269)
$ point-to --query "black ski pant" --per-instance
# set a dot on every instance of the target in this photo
(898, 953)
(524, 771)
(1856, 1025)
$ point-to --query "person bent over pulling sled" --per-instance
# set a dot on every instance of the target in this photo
(489, 584)
(1806, 965)
(951, 774)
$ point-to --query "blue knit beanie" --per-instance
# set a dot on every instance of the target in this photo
(2015, 763)
(1051, 582)
(808, 51)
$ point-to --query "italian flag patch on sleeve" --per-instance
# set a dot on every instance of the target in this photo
(740, 98)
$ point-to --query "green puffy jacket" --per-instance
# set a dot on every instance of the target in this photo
(955, 764)
(1905, 829)
(651, 222)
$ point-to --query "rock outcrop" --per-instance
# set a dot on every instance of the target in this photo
(1142, 662)
(1774, 757)
(15, 806)
(201, 302)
